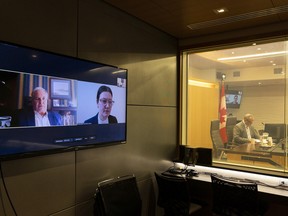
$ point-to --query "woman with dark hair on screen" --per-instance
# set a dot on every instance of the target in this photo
(104, 100)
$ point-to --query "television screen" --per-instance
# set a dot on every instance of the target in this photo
(53, 102)
(233, 98)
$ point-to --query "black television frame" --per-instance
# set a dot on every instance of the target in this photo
(234, 93)
(72, 68)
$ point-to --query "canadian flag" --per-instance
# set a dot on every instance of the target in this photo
(223, 114)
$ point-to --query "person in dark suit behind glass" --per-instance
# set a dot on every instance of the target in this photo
(244, 132)
(37, 115)
(104, 100)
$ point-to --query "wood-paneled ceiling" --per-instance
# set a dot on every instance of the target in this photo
(175, 16)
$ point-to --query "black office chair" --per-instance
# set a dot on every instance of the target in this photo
(218, 145)
(174, 196)
(230, 123)
(233, 198)
(118, 197)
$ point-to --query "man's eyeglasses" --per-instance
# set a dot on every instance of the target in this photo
(105, 101)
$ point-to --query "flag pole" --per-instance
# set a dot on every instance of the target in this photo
(222, 112)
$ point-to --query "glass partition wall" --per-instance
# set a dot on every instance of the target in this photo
(238, 79)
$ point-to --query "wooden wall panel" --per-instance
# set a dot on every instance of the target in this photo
(202, 108)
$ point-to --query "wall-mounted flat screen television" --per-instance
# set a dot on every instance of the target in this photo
(233, 98)
(52, 103)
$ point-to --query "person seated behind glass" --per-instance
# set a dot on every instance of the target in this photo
(104, 100)
(37, 115)
(244, 132)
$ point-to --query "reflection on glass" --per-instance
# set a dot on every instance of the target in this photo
(254, 76)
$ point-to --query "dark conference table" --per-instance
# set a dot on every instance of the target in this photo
(201, 189)
(275, 200)
(256, 154)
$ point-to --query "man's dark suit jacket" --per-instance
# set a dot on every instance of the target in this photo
(27, 118)
(94, 119)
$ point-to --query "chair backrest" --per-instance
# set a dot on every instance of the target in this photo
(173, 194)
(120, 196)
(230, 123)
(234, 198)
(215, 136)
(215, 125)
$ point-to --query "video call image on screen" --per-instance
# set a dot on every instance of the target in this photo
(233, 99)
(67, 103)
(44, 111)
(71, 100)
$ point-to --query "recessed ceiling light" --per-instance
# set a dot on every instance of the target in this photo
(278, 53)
(236, 18)
(220, 10)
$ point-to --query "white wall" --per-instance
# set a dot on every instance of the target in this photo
(266, 103)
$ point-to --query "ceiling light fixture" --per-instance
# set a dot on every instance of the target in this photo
(201, 84)
(220, 10)
(239, 17)
(252, 56)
